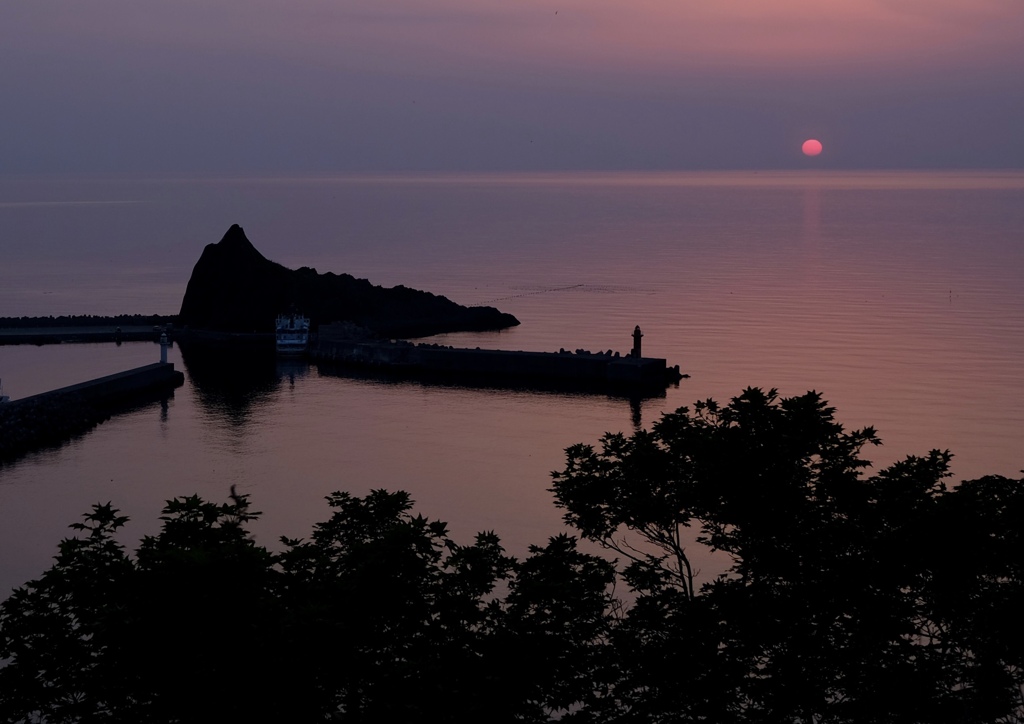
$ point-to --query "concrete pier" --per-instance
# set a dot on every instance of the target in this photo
(50, 418)
(62, 335)
(116, 387)
(594, 368)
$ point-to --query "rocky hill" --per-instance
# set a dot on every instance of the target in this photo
(234, 288)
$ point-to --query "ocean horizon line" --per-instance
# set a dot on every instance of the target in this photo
(979, 178)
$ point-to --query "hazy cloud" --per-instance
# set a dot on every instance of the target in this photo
(488, 84)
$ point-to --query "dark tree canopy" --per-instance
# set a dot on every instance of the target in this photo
(849, 597)
(378, 617)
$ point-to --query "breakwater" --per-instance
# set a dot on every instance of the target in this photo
(51, 418)
(581, 368)
(61, 335)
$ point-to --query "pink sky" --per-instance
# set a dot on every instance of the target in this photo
(646, 34)
(489, 66)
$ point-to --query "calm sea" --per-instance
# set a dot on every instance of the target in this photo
(898, 295)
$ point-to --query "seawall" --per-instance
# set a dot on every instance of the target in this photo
(116, 387)
(597, 369)
(50, 418)
(61, 335)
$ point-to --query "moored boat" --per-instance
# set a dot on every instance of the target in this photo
(292, 334)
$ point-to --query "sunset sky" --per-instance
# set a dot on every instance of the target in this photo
(233, 86)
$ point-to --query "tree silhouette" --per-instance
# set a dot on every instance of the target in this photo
(849, 598)
(379, 616)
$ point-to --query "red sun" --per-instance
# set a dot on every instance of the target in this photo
(811, 147)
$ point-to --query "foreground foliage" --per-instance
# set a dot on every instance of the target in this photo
(889, 598)
(379, 616)
(847, 598)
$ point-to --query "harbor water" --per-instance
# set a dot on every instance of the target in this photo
(896, 295)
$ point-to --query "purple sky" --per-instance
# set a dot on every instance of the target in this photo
(243, 86)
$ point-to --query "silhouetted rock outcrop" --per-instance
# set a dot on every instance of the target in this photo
(234, 288)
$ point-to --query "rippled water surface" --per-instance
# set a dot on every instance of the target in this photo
(897, 295)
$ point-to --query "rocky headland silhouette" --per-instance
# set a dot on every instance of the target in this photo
(234, 288)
